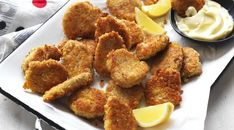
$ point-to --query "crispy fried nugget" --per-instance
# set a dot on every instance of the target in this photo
(191, 64)
(77, 58)
(106, 43)
(150, 2)
(41, 53)
(129, 31)
(43, 75)
(67, 87)
(151, 46)
(135, 32)
(91, 45)
(170, 58)
(132, 96)
(118, 115)
(125, 68)
(79, 20)
(88, 102)
(123, 9)
(164, 86)
(180, 6)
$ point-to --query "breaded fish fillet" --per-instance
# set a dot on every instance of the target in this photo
(170, 58)
(43, 75)
(191, 64)
(106, 43)
(67, 87)
(118, 115)
(79, 20)
(131, 96)
(125, 68)
(164, 86)
(90, 43)
(129, 31)
(123, 9)
(180, 6)
(88, 102)
(41, 53)
(150, 2)
(77, 58)
(151, 46)
(135, 32)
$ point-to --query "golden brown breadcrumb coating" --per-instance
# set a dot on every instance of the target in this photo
(43, 75)
(132, 96)
(135, 32)
(191, 64)
(79, 20)
(123, 9)
(172, 57)
(41, 53)
(150, 2)
(129, 31)
(106, 43)
(164, 86)
(67, 87)
(118, 115)
(77, 58)
(151, 46)
(180, 6)
(88, 102)
(125, 68)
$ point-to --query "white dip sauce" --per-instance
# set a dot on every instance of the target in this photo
(211, 23)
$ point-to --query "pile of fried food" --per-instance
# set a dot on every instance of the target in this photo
(114, 47)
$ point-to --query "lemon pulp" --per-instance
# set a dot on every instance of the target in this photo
(147, 24)
(158, 9)
(153, 115)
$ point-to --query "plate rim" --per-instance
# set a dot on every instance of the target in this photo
(43, 117)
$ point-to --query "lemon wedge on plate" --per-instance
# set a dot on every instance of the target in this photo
(153, 115)
(147, 24)
(158, 9)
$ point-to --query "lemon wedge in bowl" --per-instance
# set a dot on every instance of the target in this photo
(158, 9)
(153, 115)
(147, 24)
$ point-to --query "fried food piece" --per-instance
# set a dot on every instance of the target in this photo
(151, 46)
(41, 53)
(118, 115)
(90, 44)
(43, 75)
(129, 31)
(77, 58)
(79, 20)
(170, 58)
(106, 43)
(123, 9)
(150, 2)
(164, 86)
(191, 64)
(67, 87)
(125, 68)
(88, 102)
(131, 96)
(135, 32)
(180, 6)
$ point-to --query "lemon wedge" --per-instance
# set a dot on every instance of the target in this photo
(153, 115)
(147, 24)
(158, 9)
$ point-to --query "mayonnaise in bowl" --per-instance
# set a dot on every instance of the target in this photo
(210, 23)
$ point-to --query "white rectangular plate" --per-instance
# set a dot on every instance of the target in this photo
(189, 116)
